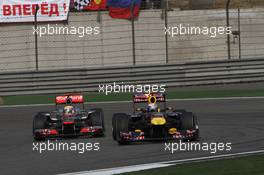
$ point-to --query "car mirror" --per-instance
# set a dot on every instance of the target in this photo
(169, 108)
(138, 109)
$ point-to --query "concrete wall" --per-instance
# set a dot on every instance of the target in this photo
(113, 46)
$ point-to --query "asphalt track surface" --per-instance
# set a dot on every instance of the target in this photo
(239, 121)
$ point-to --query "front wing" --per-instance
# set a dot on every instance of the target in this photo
(189, 135)
(92, 131)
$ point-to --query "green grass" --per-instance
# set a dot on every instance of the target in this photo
(251, 165)
(96, 97)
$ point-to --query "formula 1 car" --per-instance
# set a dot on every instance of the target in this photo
(69, 119)
(154, 123)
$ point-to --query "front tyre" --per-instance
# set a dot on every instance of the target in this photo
(39, 122)
(189, 122)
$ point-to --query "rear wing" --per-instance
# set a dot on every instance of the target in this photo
(69, 99)
(144, 98)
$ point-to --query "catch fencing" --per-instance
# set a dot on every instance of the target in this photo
(126, 43)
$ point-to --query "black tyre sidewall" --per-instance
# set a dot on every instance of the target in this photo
(187, 120)
(120, 124)
(39, 122)
(98, 117)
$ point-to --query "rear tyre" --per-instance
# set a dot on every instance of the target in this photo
(189, 122)
(39, 122)
(196, 126)
(120, 124)
(97, 118)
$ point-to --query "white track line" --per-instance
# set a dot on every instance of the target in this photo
(121, 169)
(133, 168)
(126, 101)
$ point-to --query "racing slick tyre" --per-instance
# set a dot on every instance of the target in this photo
(114, 126)
(120, 124)
(197, 136)
(189, 121)
(97, 118)
(39, 122)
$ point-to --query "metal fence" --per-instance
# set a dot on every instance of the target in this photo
(128, 43)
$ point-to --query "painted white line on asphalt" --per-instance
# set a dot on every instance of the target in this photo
(221, 156)
(133, 168)
(188, 99)
(120, 170)
(126, 101)
(33, 105)
(218, 98)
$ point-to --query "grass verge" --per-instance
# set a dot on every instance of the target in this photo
(96, 97)
(250, 165)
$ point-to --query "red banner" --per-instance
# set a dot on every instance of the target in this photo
(24, 11)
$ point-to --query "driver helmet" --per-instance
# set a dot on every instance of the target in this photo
(152, 107)
(68, 110)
